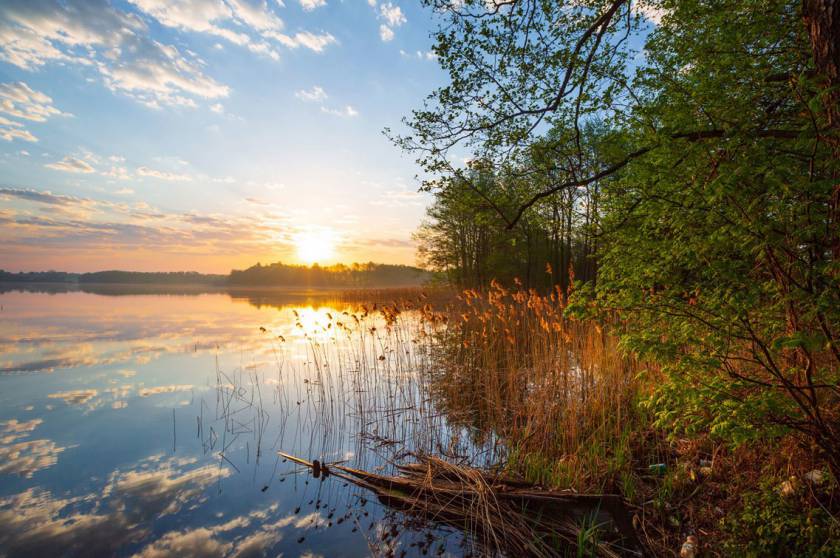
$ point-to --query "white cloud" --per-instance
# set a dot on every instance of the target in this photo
(313, 41)
(347, 111)
(116, 44)
(163, 175)
(20, 101)
(386, 33)
(11, 131)
(317, 95)
(314, 95)
(249, 23)
(218, 108)
(420, 55)
(393, 17)
(309, 5)
(201, 16)
(118, 173)
(71, 164)
(392, 14)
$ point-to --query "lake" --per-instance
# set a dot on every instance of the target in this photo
(149, 424)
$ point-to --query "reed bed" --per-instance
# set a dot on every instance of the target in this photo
(559, 391)
(495, 380)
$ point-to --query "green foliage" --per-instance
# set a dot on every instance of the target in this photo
(768, 524)
(710, 185)
(716, 253)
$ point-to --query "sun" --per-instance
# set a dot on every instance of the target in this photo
(315, 246)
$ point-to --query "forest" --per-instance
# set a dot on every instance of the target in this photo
(672, 168)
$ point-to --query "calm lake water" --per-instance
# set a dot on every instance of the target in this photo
(149, 424)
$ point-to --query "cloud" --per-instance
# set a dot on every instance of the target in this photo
(164, 490)
(199, 16)
(314, 95)
(309, 5)
(25, 458)
(71, 164)
(385, 33)
(393, 17)
(75, 397)
(28, 457)
(145, 392)
(248, 23)
(45, 197)
(113, 43)
(420, 55)
(313, 41)
(11, 131)
(346, 112)
(20, 101)
(163, 175)
(218, 108)
(16, 427)
(198, 543)
(317, 95)
(392, 14)
(41, 224)
(36, 522)
(118, 173)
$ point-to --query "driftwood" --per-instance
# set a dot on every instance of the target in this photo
(504, 516)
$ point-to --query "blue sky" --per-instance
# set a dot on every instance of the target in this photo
(207, 134)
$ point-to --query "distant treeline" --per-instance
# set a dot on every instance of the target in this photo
(118, 277)
(38, 277)
(273, 275)
(339, 275)
(163, 278)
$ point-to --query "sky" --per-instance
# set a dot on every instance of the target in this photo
(208, 135)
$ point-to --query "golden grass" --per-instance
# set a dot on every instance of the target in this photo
(560, 392)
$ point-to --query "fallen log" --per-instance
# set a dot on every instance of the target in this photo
(504, 516)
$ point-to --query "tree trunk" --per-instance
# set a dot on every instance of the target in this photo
(822, 20)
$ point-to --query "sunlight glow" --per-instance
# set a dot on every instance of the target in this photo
(315, 246)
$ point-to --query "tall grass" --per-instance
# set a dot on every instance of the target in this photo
(559, 392)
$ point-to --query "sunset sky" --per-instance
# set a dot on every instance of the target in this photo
(208, 136)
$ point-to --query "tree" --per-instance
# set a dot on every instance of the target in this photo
(716, 169)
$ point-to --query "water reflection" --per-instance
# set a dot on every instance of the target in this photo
(24, 457)
(148, 425)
